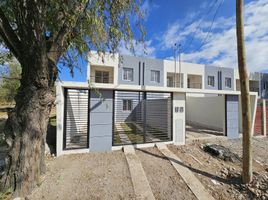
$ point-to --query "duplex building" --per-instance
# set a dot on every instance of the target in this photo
(138, 100)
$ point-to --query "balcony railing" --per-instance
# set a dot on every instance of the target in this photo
(194, 85)
(173, 84)
(254, 89)
(101, 79)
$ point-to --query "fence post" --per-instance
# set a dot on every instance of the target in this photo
(264, 117)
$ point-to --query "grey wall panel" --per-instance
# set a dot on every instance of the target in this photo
(133, 62)
(100, 94)
(153, 64)
(105, 130)
(225, 73)
(100, 144)
(101, 116)
(232, 121)
(129, 62)
(105, 105)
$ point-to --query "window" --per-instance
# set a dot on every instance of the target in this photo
(101, 77)
(127, 105)
(155, 76)
(228, 82)
(211, 81)
(170, 81)
(128, 74)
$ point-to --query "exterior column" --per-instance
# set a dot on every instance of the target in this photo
(264, 131)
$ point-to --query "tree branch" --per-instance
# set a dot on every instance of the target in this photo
(9, 36)
(59, 45)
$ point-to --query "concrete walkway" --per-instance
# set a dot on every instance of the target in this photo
(189, 178)
(141, 185)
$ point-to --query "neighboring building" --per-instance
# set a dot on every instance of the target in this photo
(264, 86)
(138, 100)
(258, 82)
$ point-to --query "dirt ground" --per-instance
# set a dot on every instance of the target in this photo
(106, 175)
(222, 178)
(86, 176)
(165, 182)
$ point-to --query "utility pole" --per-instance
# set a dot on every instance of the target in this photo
(175, 70)
(245, 97)
(180, 85)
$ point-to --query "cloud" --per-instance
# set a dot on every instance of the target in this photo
(221, 49)
(180, 30)
(140, 49)
(147, 7)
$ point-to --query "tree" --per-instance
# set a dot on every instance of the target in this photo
(41, 34)
(245, 96)
(10, 76)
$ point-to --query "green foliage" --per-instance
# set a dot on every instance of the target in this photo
(10, 81)
(100, 25)
(6, 194)
(53, 121)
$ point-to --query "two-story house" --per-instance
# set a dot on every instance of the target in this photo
(138, 100)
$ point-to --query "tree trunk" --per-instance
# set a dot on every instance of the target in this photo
(26, 127)
(245, 96)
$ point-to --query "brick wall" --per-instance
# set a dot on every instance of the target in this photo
(258, 124)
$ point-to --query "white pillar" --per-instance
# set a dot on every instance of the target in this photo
(264, 131)
(179, 118)
(60, 117)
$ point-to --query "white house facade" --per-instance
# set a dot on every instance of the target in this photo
(129, 100)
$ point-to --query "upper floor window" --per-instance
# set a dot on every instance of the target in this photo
(101, 77)
(127, 105)
(155, 76)
(228, 82)
(211, 81)
(127, 74)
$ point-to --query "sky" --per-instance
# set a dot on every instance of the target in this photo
(205, 29)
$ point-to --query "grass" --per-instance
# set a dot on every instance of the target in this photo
(53, 121)
(133, 133)
(117, 139)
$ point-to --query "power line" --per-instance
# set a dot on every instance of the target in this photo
(196, 29)
(205, 40)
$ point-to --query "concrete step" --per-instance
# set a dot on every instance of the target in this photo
(141, 185)
(189, 178)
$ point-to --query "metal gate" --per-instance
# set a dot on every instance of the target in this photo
(142, 117)
(76, 119)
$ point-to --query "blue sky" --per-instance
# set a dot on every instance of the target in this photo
(190, 23)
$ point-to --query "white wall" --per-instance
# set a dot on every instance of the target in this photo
(206, 111)
(253, 104)
(186, 68)
(60, 118)
(179, 118)
(107, 60)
